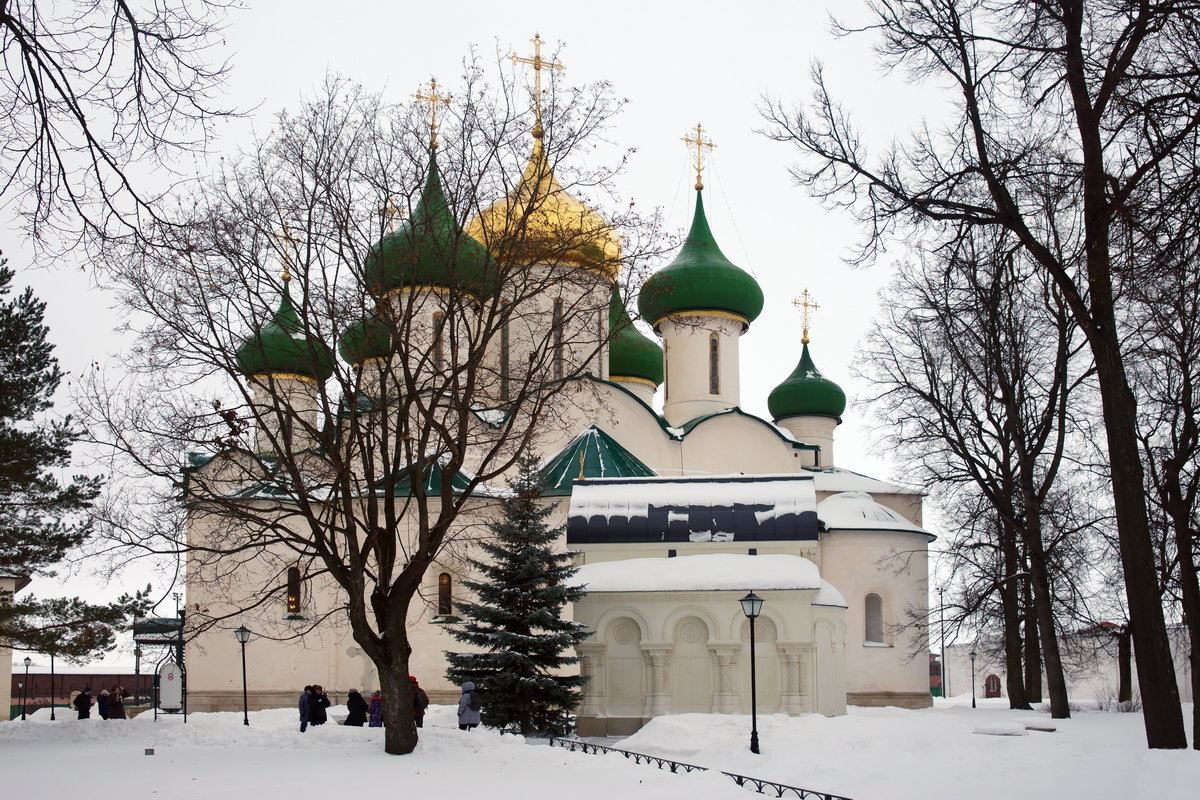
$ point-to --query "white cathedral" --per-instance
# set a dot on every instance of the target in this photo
(673, 514)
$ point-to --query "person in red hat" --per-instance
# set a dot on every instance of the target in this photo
(420, 702)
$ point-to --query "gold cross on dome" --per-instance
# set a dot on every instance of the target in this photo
(699, 142)
(391, 213)
(806, 305)
(288, 242)
(538, 63)
(433, 98)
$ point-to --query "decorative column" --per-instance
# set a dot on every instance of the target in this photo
(658, 657)
(591, 664)
(725, 655)
(794, 657)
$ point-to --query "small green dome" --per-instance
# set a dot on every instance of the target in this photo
(428, 249)
(280, 347)
(806, 393)
(369, 337)
(631, 354)
(700, 278)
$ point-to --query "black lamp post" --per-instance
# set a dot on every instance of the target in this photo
(52, 687)
(751, 606)
(972, 655)
(243, 636)
(25, 688)
(942, 614)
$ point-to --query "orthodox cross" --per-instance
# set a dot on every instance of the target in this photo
(699, 142)
(287, 242)
(538, 63)
(433, 98)
(389, 210)
(807, 306)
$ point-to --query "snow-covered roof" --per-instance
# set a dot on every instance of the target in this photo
(829, 596)
(836, 479)
(708, 572)
(681, 509)
(859, 511)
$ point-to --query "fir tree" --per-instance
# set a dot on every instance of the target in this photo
(517, 621)
(42, 519)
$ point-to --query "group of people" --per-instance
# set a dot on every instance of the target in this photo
(314, 701)
(110, 703)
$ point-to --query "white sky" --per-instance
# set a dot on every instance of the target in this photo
(678, 64)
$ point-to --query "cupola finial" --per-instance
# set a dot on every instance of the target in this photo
(433, 98)
(699, 142)
(806, 305)
(538, 63)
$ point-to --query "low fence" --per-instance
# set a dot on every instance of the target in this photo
(757, 784)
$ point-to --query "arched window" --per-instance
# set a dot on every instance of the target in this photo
(445, 607)
(874, 619)
(557, 333)
(714, 364)
(293, 590)
(504, 347)
(439, 324)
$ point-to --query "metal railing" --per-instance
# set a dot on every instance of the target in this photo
(757, 784)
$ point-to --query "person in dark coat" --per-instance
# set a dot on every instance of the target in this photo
(83, 703)
(468, 717)
(317, 705)
(102, 703)
(303, 705)
(375, 710)
(420, 702)
(357, 708)
(116, 702)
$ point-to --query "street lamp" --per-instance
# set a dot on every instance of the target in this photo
(52, 687)
(942, 614)
(972, 656)
(25, 688)
(243, 636)
(751, 606)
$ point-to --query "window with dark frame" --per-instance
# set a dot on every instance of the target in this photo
(874, 619)
(439, 323)
(445, 606)
(293, 590)
(714, 364)
(557, 332)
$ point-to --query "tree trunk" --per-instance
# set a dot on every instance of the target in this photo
(400, 731)
(1033, 647)
(1161, 710)
(1125, 667)
(1190, 586)
(1056, 682)
(1010, 603)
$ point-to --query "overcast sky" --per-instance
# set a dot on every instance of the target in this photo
(677, 64)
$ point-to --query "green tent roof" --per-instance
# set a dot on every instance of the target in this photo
(700, 278)
(601, 457)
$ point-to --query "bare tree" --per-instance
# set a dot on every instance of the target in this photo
(976, 363)
(93, 91)
(457, 358)
(1068, 115)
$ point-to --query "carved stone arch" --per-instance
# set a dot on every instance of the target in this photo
(677, 615)
(611, 614)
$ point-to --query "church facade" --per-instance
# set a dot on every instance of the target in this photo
(674, 511)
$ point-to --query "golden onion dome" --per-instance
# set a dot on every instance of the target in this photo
(541, 221)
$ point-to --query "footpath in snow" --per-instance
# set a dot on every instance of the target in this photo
(870, 754)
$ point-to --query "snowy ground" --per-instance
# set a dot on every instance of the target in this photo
(887, 753)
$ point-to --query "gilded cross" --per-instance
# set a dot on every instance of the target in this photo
(390, 212)
(807, 306)
(538, 63)
(433, 98)
(287, 243)
(699, 142)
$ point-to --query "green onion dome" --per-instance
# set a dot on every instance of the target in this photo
(367, 338)
(428, 249)
(806, 393)
(281, 348)
(631, 354)
(700, 278)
